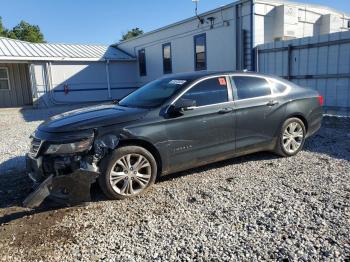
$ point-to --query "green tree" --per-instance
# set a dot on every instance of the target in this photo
(26, 32)
(2, 29)
(132, 33)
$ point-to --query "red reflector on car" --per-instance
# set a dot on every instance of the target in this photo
(320, 100)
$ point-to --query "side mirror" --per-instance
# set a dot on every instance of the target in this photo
(182, 105)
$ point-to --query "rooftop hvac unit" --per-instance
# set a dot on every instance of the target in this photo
(285, 22)
(331, 23)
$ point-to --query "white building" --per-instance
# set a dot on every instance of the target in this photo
(49, 74)
(224, 38)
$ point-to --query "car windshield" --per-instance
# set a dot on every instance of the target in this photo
(153, 94)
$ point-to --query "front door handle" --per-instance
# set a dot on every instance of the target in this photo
(272, 103)
(225, 110)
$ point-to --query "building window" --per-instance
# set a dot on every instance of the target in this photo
(167, 63)
(142, 62)
(200, 52)
(4, 79)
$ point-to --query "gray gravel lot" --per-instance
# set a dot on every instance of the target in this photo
(250, 208)
(16, 125)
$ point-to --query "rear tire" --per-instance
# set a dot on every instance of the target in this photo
(127, 172)
(291, 138)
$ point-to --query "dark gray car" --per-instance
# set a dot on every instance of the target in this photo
(169, 125)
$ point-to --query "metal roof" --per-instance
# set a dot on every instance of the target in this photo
(16, 50)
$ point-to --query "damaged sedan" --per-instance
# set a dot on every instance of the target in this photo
(168, 125)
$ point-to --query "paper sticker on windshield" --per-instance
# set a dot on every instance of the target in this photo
(177, 82)
(222, 81)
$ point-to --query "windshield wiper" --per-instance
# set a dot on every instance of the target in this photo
(115, 101)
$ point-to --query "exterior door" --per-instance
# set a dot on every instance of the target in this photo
(207, 130)
(258, 112)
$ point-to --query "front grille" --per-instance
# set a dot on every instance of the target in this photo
(35, 146)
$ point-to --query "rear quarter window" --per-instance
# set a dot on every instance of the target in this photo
(250, 87)
(278, 87)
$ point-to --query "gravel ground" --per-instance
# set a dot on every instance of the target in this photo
(257, 207)
(16, 125)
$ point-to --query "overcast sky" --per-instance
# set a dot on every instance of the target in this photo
(104, 21)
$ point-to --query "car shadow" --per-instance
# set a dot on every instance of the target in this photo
(232, 161)
(12, 166)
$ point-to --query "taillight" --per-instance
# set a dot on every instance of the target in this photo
(320, 100)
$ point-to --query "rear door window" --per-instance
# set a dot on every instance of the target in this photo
(208, 92)
(250, 87)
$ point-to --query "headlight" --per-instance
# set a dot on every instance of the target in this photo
(70, 148)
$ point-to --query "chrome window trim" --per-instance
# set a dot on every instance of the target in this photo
(269, 80)
(199, 81)
(7, 78)
(198, 107)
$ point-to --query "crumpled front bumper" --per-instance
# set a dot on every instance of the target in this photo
(70, 189)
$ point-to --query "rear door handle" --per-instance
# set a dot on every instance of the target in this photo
(272, 103)
(225, 110)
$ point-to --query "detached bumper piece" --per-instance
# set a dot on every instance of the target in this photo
(70, 189)
(38, 196)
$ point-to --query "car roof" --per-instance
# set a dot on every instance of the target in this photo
(192, 76)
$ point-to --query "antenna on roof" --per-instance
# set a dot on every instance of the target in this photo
(201, 20)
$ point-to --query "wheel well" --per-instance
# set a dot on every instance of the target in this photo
(302, 119)
(146, 145)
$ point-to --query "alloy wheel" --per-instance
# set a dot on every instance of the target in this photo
(293, 136)
(130, 174)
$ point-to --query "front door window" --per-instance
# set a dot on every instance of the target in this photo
(208, 92)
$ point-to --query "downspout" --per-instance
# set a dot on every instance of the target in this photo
(49, 85)
(33, 83)
(257, 59)
(252, 35)
(108, 80)
(238, 38)
(49, 89)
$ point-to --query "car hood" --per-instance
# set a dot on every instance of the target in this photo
(91, 117)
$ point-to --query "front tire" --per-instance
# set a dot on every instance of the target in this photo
(127, 172)
(291, 138)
